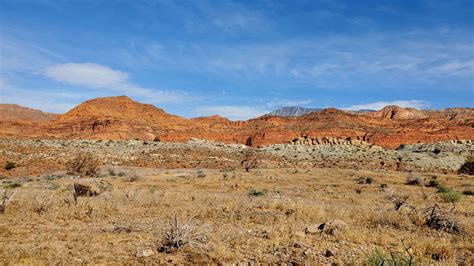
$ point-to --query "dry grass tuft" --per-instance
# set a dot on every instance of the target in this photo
(42, 203)
(84, 164)
(177, 234)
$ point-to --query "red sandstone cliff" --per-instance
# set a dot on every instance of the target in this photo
(121, 118)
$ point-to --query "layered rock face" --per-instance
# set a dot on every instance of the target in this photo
(120, 118)
(328, 141)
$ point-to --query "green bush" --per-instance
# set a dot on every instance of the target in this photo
(257, 192)
(451, 196)
(443, 189)
(390, 259)
(10, 165)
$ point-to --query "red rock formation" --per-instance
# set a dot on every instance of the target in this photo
(121, 118)
(13, 112)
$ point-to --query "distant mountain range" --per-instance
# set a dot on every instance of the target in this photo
(294, 111)
(299, 111)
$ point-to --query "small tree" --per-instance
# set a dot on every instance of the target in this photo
(84, 164)
(250, 160)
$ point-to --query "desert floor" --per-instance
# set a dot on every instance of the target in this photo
(230, 216)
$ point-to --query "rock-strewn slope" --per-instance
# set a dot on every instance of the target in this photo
(120, 118)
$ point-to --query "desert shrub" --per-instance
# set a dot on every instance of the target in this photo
(42, 203)
(414, 181)
(257, 192)
(12, 185)
(443, 189)
(451, 196)
(392, 258)
(133, 178)
(467, 167)
(53, 186)
(398, 200)
(433, 183)
(368, 180)
(387, 259)
(468, 192)
(10, 165)
(250, 159)
(438, 219)
(84, 164)
(439, 252)
(200, 174)
(112, 172)
(5, 198)
(177, 235)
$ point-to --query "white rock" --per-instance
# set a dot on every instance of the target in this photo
(145, 253)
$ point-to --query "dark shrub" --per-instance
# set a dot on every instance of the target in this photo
(433, 183)
(10, 165)
(468, 192)
(369, 180)
(467, 167)
(257, 192)
(414, 181)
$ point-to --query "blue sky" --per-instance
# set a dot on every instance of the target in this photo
(239, 59)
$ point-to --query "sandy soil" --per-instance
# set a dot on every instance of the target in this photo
(267, 216)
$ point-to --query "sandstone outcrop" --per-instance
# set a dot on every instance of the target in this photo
(121, 118)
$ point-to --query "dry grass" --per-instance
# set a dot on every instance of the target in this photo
(112, 226)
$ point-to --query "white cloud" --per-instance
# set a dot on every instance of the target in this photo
(103, 77)
(418, 104)
(87, 74)
(233, 112)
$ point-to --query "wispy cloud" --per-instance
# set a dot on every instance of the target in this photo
(87, 74)
(97, 76)
(418, 104)
(407, 59)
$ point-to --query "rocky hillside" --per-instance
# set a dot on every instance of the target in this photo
(13, 112)
(121, 118)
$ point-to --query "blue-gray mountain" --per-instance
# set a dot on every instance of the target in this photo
(298, 111)
(294, 111)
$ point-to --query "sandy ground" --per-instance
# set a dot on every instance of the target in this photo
(232, 221)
